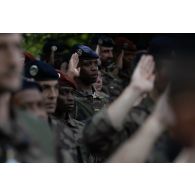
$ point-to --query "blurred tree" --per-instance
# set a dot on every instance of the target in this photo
(33, 42)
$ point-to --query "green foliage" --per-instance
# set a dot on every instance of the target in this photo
(33, 42)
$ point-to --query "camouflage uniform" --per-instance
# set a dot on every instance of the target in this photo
(103, 139)
(124, 76)
(26, 139)
(112, 85)
(66, 144)
(87, 104)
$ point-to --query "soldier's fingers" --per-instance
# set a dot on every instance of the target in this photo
(150, 68)
(148, 63)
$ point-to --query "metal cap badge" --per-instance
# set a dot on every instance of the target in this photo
(54, 48)
(33, 70)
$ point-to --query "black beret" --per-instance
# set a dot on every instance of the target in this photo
(84, 52)
(40, 71)
(102, 40)
(54, 45)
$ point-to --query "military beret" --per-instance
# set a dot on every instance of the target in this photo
(84, 52)
(106, 41)
(40, 71)
(53, 45)
(124, 43)
(28, 57)
(161, 46)
(65, 81)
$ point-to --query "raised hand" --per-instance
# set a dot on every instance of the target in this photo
(143, 76)
(120, 60)
(98, 53)
(73, 69)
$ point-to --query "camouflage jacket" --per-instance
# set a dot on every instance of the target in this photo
(26, 139)
(65, 140)
(103, 139)
(87, 104)
(112, 85)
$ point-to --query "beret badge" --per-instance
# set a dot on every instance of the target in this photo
(33, 70)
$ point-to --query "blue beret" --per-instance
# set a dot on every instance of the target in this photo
(40, 71)
(84, 52)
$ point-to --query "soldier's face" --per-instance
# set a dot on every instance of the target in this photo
(89, 71)
(106, 55)
(30, 100)
(128, 57)
(98, 84)
(67, 98)
(11, 62)
(184, 129)
(50, 94)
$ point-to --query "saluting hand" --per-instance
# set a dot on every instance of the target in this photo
(98, 53)
(143, 76)
(120, 60)
(73, 69)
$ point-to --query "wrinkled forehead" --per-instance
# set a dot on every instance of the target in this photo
(10, 37)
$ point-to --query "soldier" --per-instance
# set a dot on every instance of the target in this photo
(125, 52)
(65, 113)
(123, 125)
(53, 53)
(99, 87)
(111, 84)
(87, 100)
(21, 134)
(29, 98)
(105, 132)
(48, 77)
(175, 112)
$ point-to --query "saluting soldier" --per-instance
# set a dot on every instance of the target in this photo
(47, 77)
(87, 99)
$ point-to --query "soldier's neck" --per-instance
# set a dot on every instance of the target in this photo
(5, 108)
